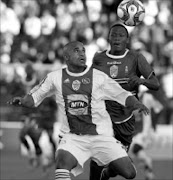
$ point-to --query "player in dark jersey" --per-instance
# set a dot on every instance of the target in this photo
(126, 67)
(81, 92)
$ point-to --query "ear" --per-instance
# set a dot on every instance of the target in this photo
(66, 57)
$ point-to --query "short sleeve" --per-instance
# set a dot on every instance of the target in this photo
(44, 89)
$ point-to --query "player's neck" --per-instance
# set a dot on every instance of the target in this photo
(117, 53)
(77, 69)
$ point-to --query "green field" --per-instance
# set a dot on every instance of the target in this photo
(15, 167)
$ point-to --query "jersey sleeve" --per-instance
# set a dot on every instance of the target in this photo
(44, 89)
(144, 67)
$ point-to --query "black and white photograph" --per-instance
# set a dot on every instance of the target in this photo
(86, 89)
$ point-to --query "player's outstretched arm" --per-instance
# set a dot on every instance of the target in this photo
(151, 83)
(26, 101)
(132, 102)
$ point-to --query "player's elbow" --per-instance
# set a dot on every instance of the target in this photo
(131, 175)
(155, 86)
(154, 83)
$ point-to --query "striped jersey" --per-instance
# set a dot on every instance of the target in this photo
(81, 99)
(120, 68)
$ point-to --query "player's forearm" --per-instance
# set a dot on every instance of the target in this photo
(132, 102)
(151, 83)
(27, 101)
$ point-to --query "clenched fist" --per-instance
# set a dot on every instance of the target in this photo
(142, 108)
(135, 81)
(16, 101)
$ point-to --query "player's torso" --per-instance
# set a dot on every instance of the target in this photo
(77, 97)
(80, 107)
(119, 68)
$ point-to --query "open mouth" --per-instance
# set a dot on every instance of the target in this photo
(82, 60)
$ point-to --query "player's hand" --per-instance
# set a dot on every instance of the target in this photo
(16, 101)
(142, 108)
(135, 81)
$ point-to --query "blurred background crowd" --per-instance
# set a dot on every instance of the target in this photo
(34, 32)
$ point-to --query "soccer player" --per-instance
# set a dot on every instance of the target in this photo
(29, 137)
(81, 92)
(38, 127)
(145, 136)
(126, 67)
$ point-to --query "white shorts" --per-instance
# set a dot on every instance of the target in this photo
(102, 149)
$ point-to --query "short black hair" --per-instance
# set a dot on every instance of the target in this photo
(118, 25)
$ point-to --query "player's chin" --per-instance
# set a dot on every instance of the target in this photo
(82, 64)
(118, 46)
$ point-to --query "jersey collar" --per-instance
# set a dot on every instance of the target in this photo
(116, 56)
(77, 74)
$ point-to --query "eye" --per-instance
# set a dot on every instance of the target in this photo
(76, 50)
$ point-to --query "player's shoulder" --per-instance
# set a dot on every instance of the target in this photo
(134, 53)
(53, 76)
(100, 53)
(98, 73)
(98, 57)
(55, 73)
(137, 56)
(99, 77)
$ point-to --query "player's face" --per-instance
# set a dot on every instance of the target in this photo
(118, 40)
(77, 57)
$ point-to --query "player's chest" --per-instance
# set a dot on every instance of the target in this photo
(77, 85)
(118, 68)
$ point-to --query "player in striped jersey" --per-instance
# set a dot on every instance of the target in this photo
(80, 93)
(126, 67)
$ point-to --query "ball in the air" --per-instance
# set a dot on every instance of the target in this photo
(131, 12)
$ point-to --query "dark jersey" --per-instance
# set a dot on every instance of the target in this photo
(120, 68)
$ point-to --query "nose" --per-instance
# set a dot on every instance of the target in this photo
(117, 38)
(82, 53)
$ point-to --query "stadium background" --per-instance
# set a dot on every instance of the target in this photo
(35, 31)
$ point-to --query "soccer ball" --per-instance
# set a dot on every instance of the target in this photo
(131, 12)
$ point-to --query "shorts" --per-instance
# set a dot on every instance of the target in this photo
(102, 149)
(124, 132)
